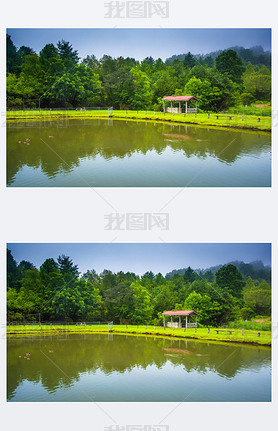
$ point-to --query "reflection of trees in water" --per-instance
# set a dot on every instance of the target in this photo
(89, 139)
(76, 354)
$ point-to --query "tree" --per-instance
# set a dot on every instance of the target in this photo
(68, 55)
(12, 271)
(91, 62)
(189, 60)
(229, 276)
(53, 282)
(79, 87)
(119, 88)
(67, 268)
(229, 63)
(90, 276)
(25, 51)
(165, 84)
(14, 307)
(143, 93)
(31, 294)
(92, 299)
(147, 65)
(143, 308)
(200, 88)
(189, 275)
(258, 298)
(30, 81)
(119, 302)
(52, 66)
(107, 65)
(165, 299)
(68, 303)
(13, 58)
(258, 84)
(24, 266)
(202, 305)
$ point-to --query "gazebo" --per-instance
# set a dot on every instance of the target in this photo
(180, 99)
(180, 324)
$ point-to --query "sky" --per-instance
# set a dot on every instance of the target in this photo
(140, 257)
(141, 43)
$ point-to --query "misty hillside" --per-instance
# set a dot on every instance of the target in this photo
(256, 270)
(256, 55)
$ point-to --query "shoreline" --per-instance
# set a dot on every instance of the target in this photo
(160, 117)
(189, 334)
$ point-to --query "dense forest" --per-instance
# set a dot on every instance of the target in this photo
(256, 270)
(57, 77)
(58, 292)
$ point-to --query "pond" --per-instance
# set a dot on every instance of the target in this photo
(111, 153)
(109, 367)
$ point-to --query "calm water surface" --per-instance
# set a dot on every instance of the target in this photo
(103, 367)
(100, 153)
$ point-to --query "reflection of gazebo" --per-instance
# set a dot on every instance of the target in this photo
(180, 324)
(180, 99)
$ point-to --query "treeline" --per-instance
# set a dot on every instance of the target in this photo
(57, 292)
(255, 55)
(255, 270)
(55, 77)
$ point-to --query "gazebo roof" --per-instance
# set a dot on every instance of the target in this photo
(179, 98)
(179, 313)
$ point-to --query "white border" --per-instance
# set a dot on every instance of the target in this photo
(196, 215)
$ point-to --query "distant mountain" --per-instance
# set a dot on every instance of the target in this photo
(256, 55)
(256, 270)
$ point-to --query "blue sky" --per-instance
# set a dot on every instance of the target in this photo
(139, 258)
(141, 43)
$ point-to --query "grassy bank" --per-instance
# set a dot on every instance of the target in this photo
(250, 336)
(250, 122)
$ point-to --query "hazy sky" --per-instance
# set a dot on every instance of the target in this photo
(141, 43)
(140, 258)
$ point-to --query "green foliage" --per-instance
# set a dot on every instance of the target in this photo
(245, 313)
(246, 98)
(258, 298)
(250, 325)
(229, 277)
(229, 63)
(202, 305)
(56, 292)
(143, 93)
(55, 77)
(258, 84)
(189, 60)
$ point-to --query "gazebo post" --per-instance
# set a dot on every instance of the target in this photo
(186, 315)
(164, 321)
(186, 107)
(196, 105)
(196, 320)
(171, 322)
(179, 321)
(171, 107)
(164, 106)
(179, 107)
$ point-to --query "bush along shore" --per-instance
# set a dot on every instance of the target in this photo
(257, 121)
(254, 337)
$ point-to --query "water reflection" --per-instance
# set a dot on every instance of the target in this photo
(57, 362)
(58, 148)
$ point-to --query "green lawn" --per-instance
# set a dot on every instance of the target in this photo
(250, 336)
(250, 121)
